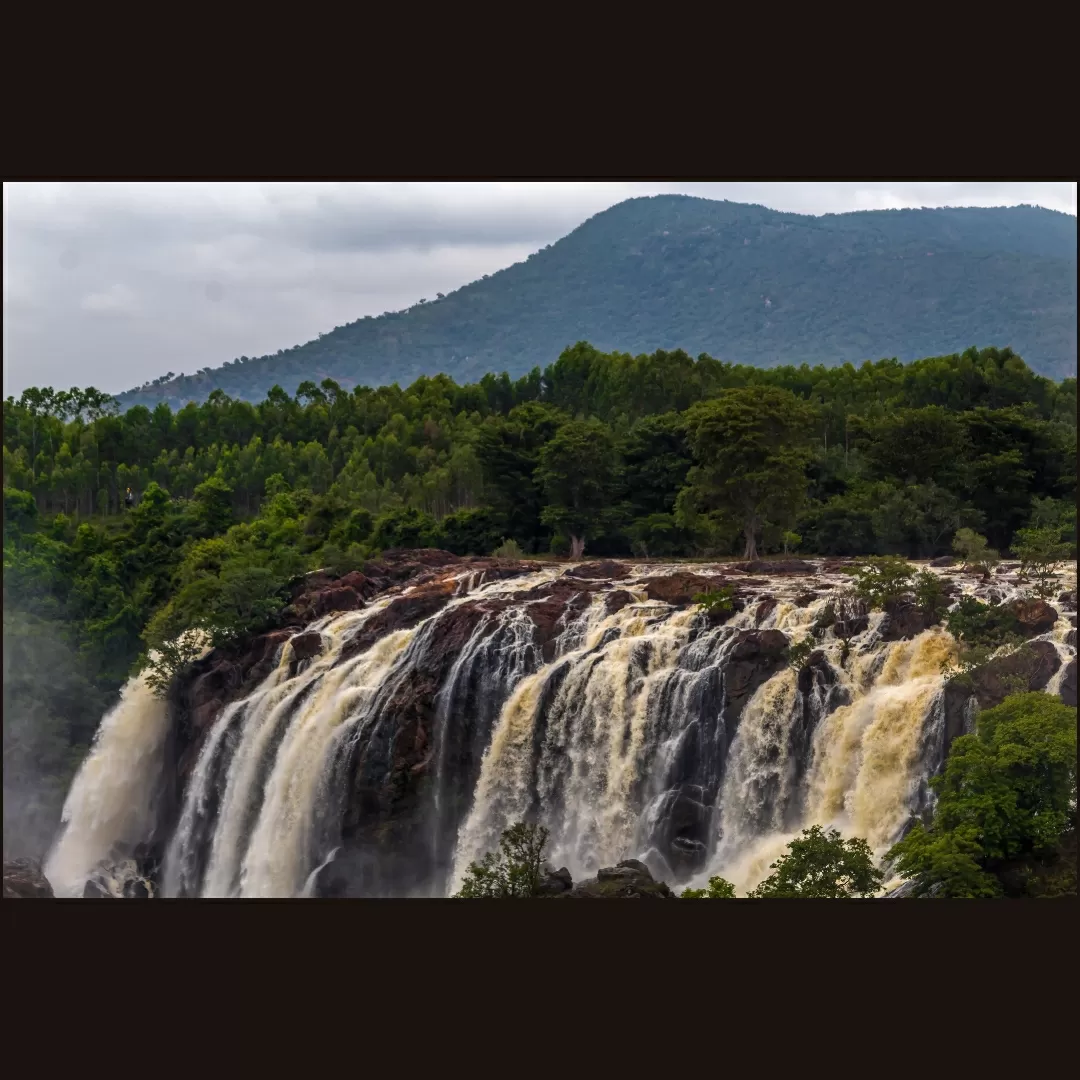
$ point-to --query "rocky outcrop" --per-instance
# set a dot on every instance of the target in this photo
(1034, 616)
(776, 566)
(945, 560)
(556, 883)
(402, 613)
(599, 571)
(24, 880)
(1028, 668)
(754, 657)
(681, 587)
(764, 609)
(903, 621)
(628, 879)
(1068, 684)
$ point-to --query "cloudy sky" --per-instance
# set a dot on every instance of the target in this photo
(113, 284)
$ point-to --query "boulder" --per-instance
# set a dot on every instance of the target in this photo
(764, 609)
(1034, 616)
(617, 600)
(902, 621)
(681, 587)
(1070, 637)
(1068, 600)
(1028, 668)
(1067, 693)
(24, 880)
(307, 645)
(627, 879)
(776, 566)
(556, 882)
(805, 599)
(599, 571)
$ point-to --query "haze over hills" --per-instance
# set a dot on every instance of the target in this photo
(744, 284)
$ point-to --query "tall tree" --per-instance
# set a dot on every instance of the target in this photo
(751, 446)
(577, 471)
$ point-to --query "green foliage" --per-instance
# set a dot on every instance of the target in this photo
(881, 581)
(799, 653)
(718, 889)
(752, 448)
(821, 864)
(973, 549)
(509, 549)
(514, 871)
(717, 603)
(1041, 552)
(930, 595)
(1006, 806)
(576, 469)
(975, 623)
(791, 541)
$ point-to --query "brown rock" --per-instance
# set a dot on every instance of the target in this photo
(681, 587)
(805, 599)
(628, 879)
(1068, 684)
(617, 600)
(402, 613)
(606, 570)
(1034, 616)
(306, 645)
(23, 880)
(765, 609)
(903, 621)
(777, 566)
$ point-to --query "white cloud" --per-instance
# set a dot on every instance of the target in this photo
(115, 300)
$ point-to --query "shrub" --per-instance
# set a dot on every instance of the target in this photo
(718, 889)
(508, 549)
(823, 865)
(718, 603)
(882, 580)
(514, 871)
(972, 548)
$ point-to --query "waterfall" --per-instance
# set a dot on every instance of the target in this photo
(391, 750)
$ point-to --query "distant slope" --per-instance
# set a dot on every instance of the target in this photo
(743, 283)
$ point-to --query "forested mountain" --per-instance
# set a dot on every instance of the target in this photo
(743, 283)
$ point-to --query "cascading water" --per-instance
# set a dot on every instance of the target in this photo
(389, 757)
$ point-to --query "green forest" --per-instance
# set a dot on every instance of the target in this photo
(655, 456)
(745, 283)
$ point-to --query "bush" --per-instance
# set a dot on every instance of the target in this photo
(514, 871)
(930, 594)
(407, 528)
(508, 549)
(972, 548)
(799, 654)
(1005, 813)
(823, 865)
(975, 623)
(1040, 552)
(718, 603)
(882, 580)
(718, 889)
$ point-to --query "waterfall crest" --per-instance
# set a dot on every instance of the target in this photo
(387, 748)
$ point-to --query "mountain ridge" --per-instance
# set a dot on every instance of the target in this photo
(744, 283)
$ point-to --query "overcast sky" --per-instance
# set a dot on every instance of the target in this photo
(113, 284)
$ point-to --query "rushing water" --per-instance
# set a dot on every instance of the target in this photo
(640, 731)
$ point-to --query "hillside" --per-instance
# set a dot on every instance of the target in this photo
(742, 283)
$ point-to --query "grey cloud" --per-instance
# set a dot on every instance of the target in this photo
(113, 284)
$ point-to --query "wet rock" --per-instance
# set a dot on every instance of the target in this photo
(754, 657)
(805, 599)
(680, 588)
(902, 621)
(94, 890)
(1029, 668)
(628, 879)
(617, 600)
(1068, 601)
(764, 609)
(945, 560)
(605, 571)
(24, 880)
(402, 613)
(1034, 616)
(556, 882)
(307, 645)
(1067, 693)
(776, 566)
